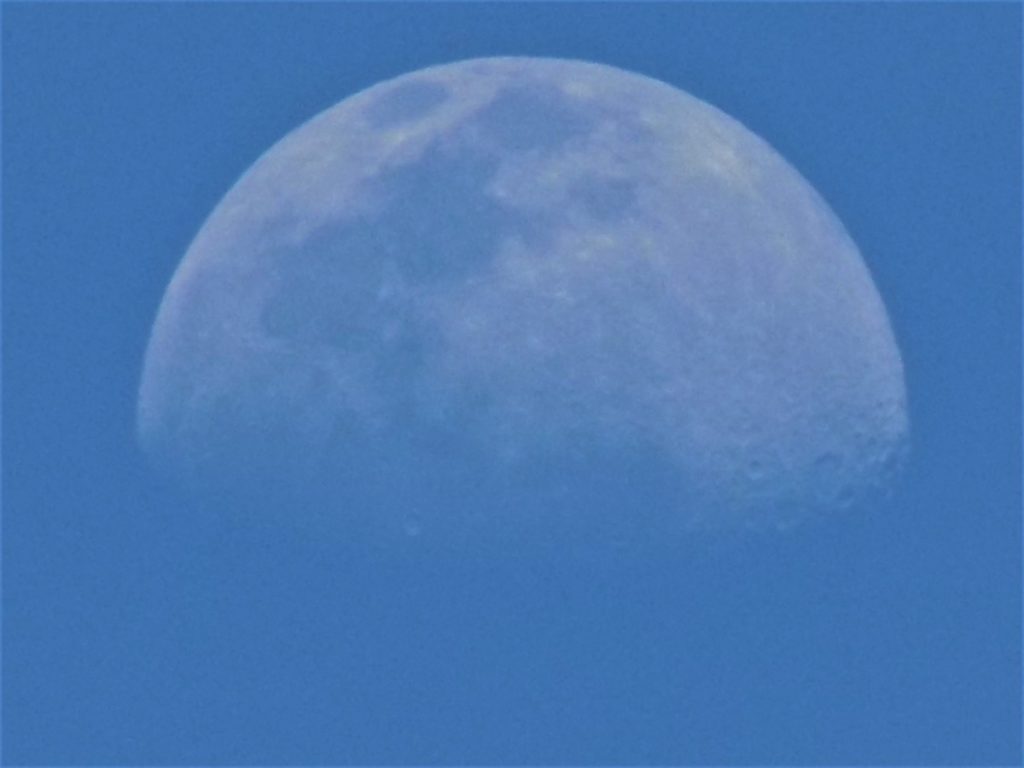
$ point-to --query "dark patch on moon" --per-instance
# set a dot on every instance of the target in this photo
(351, 286)
(537, 117)
(605, 199)
(437, 225)
(404, 103)
(345, 299)
(322, 299)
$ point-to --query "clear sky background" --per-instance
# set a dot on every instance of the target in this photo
(139, 629)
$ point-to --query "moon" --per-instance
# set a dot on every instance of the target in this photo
(520, 296)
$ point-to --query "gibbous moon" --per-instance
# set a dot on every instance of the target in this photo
(517, 298)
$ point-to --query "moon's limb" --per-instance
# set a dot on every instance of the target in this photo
(505, 267)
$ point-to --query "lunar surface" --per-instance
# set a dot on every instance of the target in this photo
(511, 297)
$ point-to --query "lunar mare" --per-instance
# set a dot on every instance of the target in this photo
(498, 283)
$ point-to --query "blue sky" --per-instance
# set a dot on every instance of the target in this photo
(138, 628)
